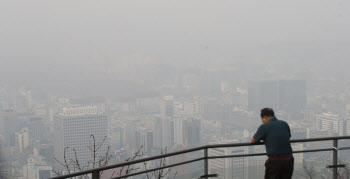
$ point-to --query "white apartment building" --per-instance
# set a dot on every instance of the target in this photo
(228, 168)
(331, 123)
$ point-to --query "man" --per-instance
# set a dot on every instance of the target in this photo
(276, 135)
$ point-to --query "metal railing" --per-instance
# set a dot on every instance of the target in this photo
(95, 173)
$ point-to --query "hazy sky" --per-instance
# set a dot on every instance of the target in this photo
(50, 36)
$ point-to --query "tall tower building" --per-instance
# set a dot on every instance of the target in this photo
(165, 123)
(292, 96)
(163, 132)
(73, 129)
(144, 139)
(167, 106)
(192, 131)
(167, 132)
(283, 95)
(178, 130)
(347, 127)
(186, 130)
(262, 94)
(9, 124)
(37, 130)
(22, 140)
(157, 133)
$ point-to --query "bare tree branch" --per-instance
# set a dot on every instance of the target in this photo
(74, 165)
(309, 170)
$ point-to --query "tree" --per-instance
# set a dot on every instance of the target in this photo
(159, 173)
(346, 172)
(162, 173)
(72, 165)
(341, 175)
(309, 170)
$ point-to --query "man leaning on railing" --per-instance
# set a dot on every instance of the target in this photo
(276, 135)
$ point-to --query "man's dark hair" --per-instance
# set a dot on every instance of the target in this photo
(267, 112)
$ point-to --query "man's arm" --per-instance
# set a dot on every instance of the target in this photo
(290, 135)
(259, 135)
(288, 129)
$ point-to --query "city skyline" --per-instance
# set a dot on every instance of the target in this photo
(153, 77)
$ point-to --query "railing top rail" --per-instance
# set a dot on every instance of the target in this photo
(188, 151)
(292, 141)
(131, 162)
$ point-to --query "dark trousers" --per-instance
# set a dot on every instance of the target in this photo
(279, 167)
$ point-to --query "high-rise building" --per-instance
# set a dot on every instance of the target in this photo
(298, 133)
(144, 139)
(192, 131)
(292, 97)
(9, 124)
(167, 132)
(163, 132)
(165, 123)
(283, 95)
(37, 129)
(157, 133)
(148, 105)
(191, 107)
(75, 129)
(4, 102)
(167, 106)
(117, 137)
(228, 168)
(262, 94)
(179, 130)
(347, 127)
(22, 140)
(332, 123)
(313, 133)
(186, 130)
(149, 146)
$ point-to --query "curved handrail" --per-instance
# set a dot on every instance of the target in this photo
(198, 149)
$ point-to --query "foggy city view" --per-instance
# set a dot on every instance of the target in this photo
(92, 84)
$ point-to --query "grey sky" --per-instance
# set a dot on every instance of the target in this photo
(40, 36)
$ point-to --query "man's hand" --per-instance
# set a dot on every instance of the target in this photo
(254, 141)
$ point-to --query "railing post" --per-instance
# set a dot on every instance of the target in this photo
(335, 159)
(96, 175)
(206, 172)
